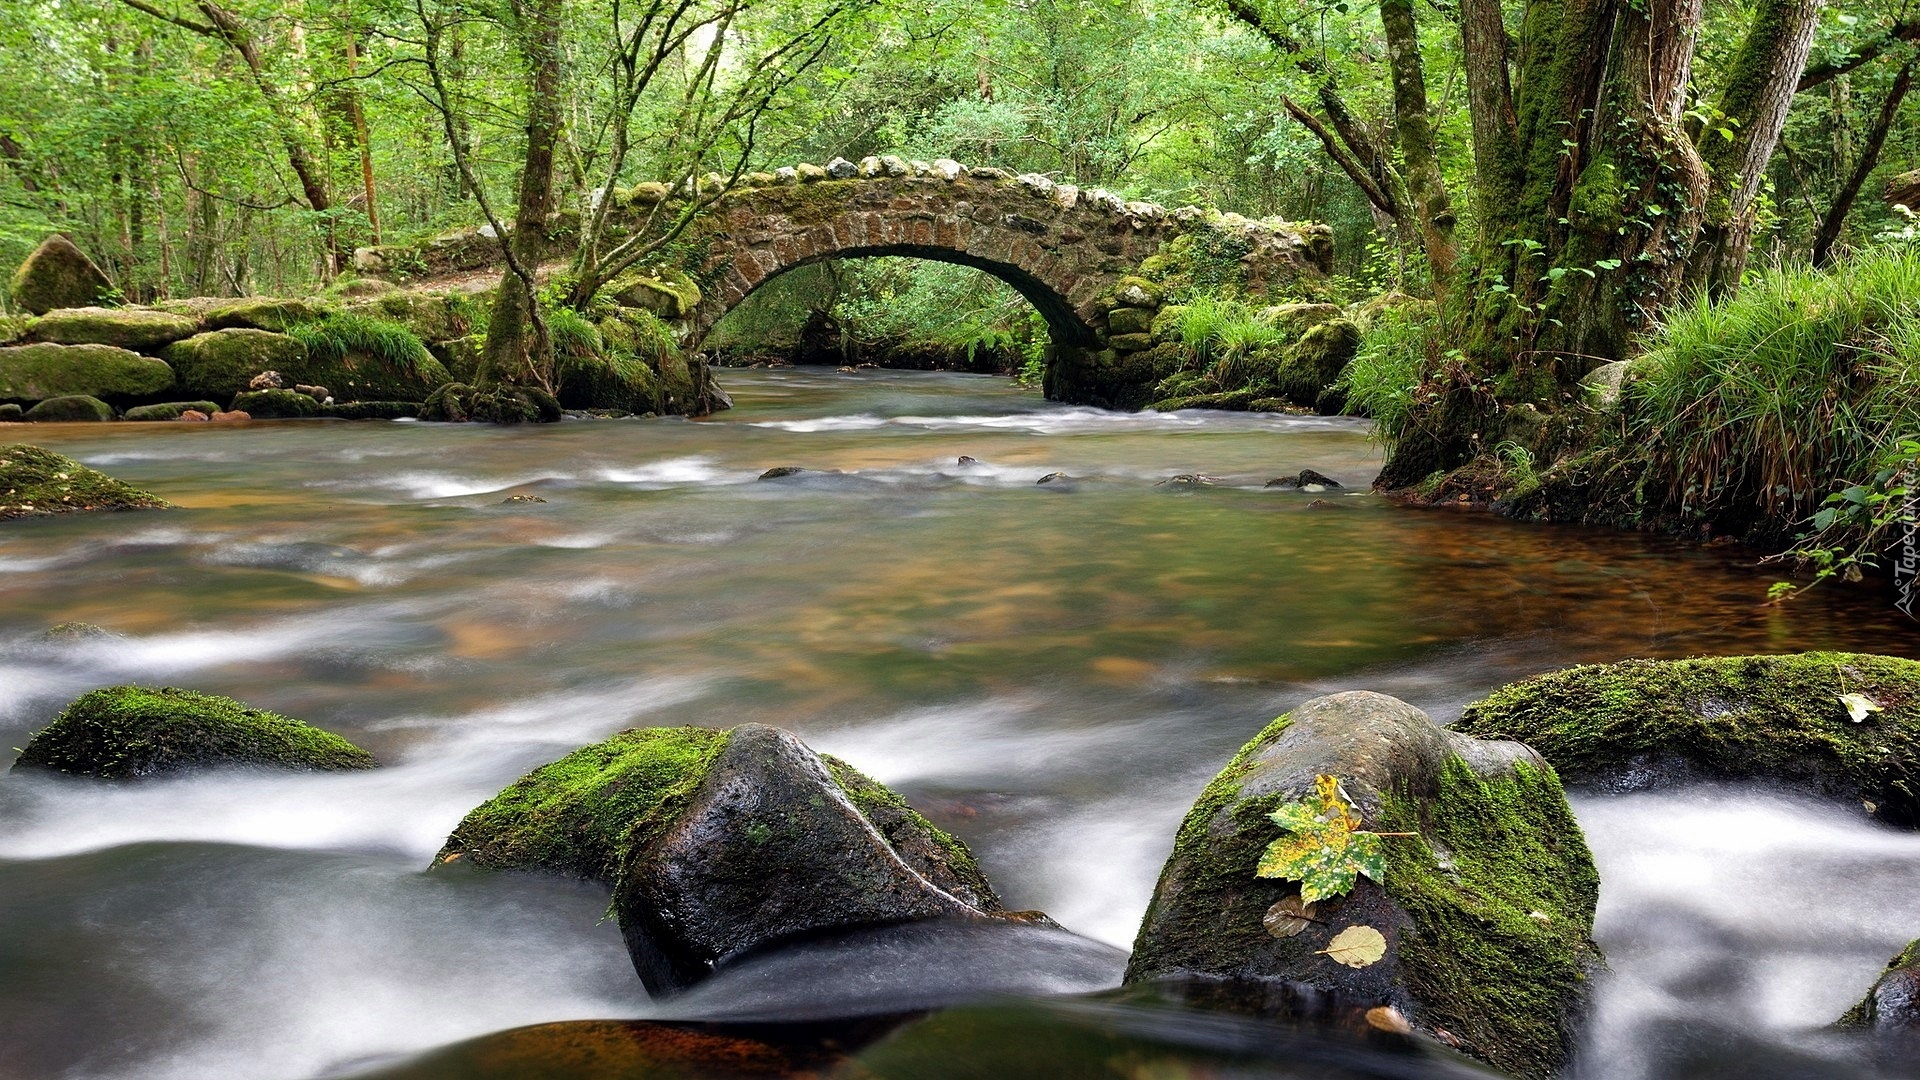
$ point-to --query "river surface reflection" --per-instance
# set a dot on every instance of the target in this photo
(1051, 671)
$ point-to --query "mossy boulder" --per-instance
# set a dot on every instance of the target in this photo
(1130, 320)
(170, 410)
(276, 405)
(220, 363)
(668, 294)
(718, 843)
(34, 481)
(139, 329)
(274, 313)
(1640, 723)
(372, 410)
(1487, 913)
(58, 275)
(1314, 361)
(123, 732)
(45, 370)
(434, 315)
(1892, 1006)
(70, 409)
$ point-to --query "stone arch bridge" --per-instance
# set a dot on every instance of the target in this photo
(1093, 265)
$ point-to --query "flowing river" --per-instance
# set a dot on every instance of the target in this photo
(1050, 671)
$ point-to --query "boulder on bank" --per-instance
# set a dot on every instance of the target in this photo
(170, 410)
(1485, 914)
(123, 732)
(70, 409)
(273, 313)
(718, 843)
(35, 481)
(276, 404)
(220, 363)
(1892, 1006)
(45, 370)
(139, 329)
(1843, 725)
(58, 275)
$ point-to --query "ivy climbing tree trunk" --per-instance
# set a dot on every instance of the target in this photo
(1739, 138)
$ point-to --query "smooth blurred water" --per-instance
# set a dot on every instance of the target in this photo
(1052, 672)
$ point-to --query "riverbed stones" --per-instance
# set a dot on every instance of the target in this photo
(35, 481)
(1486, 914)
(1789, 719)
(720, 843)
(46, 370)
(1892, 1006)
(138, 329)
(129, 732)
(58, 275)
(70, 409)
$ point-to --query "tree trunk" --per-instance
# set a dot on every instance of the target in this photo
(1836, 215)
(1421, 167)
(510, 348)
(1760, 86)
(357, 113)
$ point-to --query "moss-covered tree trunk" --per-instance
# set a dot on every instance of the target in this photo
(1741, 132)
(1588, 192)
(516, 335)
(1414, 130)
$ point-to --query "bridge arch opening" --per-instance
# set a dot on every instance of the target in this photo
(899, 306)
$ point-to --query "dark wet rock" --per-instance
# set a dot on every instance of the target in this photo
(1892, 1006)
(1486, 913)
(123, 732)
(967, 460)
(1055, 478)
(720, 843)
(1189, 480)
(70, 409)
(780, 471)
(628, 1050)
(172, 410)
(511, 499)
(138, 329)
(35, 481)
(1321, 504)
(276, 405)
(1306, 478)
(76, 631)
(58, 275)
(11, 413)
(1643, 723)
(45, 370)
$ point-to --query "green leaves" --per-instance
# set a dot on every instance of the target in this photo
(1325, 849)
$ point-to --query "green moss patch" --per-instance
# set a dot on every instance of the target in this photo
(136, 731)
(578, 815)
(35, 481)
(1741, 717)
(1501, 889)
(46, 370)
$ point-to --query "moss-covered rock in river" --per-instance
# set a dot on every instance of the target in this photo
(1784, 718)
(139, 329)
(1486, 913)
(58, 275)
(276, 404)
(70, 409)
(134, 731)
(44, 370)
(34, 481)
(169, 410)
(1892, 1006)
(719, 842)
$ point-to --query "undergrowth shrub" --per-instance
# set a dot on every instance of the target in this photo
(1383, 378)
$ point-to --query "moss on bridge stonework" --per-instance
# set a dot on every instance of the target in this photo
(1094, 265)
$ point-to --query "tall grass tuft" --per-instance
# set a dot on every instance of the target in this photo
(332, 338)
(1381, 381)
(1771, 400)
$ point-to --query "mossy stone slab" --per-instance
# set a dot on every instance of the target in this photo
(124, 732)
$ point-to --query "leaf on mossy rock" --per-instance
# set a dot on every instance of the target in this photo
(1357, 947)
(1325, 849)
(1858, 706)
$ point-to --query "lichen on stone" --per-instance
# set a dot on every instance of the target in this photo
(135, 731)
